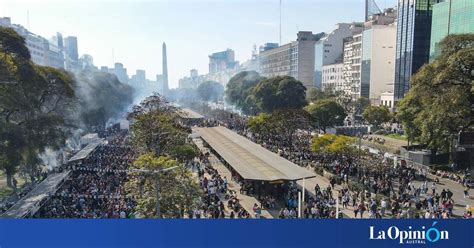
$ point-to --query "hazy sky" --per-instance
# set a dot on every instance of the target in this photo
(192, 29)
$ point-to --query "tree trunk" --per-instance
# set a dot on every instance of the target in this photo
(10, 180)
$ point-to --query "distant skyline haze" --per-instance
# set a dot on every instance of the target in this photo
(132, 32)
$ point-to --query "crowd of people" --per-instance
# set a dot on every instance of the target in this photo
(95, 188)
(371, 182)
(218, 200)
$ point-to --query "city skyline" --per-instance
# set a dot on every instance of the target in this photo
(100, 33)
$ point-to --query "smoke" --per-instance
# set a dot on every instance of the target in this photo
(101, 99)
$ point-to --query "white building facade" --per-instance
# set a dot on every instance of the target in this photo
(333, 78)
(329, 49)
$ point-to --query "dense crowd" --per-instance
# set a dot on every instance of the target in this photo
(95, 188)
(371, 182)
(218, 200)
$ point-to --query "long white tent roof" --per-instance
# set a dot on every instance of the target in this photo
(189, 114)
(249, 159)
(29, 204)
(86, 151)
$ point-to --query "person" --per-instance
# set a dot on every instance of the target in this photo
(123, 215)
(383, 207)
(313, 212)
(444, 195)
(433, 188)
(361, 209)
(258, 212)
(232, 215)
(449, 194)
(466, 191)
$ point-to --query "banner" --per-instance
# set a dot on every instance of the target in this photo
(236, 233)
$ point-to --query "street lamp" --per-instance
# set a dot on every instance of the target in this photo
(157, 188)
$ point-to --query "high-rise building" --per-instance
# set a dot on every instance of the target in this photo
(295, 59)
(71, 53)
(165, 70)
(41, 50)
(57, 40)
(70, 46)
(352, 65)
(268, 46)
(378, 55)
(329, 49)
(87, 62)
(139, 81)
(192, 81)
(450, 17)
(120, 72)
(222, 61)
(371, 8)
(413, 41)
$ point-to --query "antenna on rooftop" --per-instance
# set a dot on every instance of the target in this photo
(280, 22)
(28, 19)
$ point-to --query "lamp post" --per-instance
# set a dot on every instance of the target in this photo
(158, 188)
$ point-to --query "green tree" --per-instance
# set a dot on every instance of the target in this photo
(316, 94)
(326, 113)
(210, 91)
(377, 115)
(239, 90)
(155, 127)
(36, 104)
(332, 143)
(179, 191)
(282, 92)
(439, 103)
(360, 105)
(260, 124)
(184, 152)
(282, 122)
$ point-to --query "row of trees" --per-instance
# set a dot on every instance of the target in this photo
(40, 106)
(161, 141)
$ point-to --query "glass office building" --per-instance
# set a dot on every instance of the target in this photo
(413, 41)
(450, 17)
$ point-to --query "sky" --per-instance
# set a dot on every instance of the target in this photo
(132, 32)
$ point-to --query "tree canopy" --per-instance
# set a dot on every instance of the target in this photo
(210, 91)
(36, 104)
(439, 103)
(332, 143)
(155, 127)
(179, 192)
(377, 115)
(239, 90)
(282, 92)
(326, 113)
